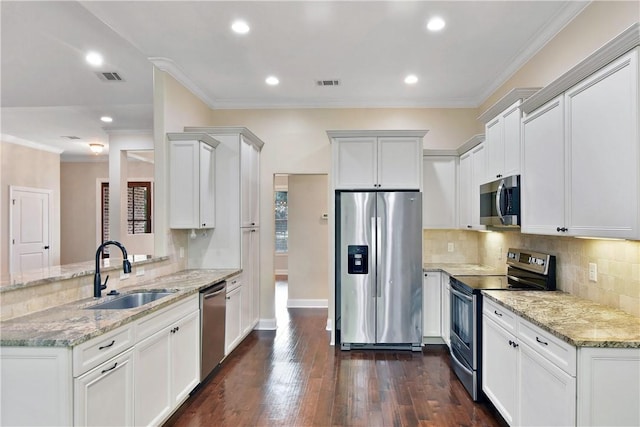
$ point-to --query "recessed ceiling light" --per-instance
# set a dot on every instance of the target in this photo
(106, 119)
(272, 81)
(94, 58)
(435, 24)
(411, 79)
(240, 27)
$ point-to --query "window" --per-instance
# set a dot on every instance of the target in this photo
(282, 214)
(139, 207)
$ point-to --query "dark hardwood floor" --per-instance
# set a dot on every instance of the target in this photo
(292, 377)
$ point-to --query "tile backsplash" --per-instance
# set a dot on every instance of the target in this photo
(618, 262)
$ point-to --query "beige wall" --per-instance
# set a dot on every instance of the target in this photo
(598, 23)
(174, 107)
(435, 246)
(79, 192)
(18, 166)
(308, 240)
(80, 210)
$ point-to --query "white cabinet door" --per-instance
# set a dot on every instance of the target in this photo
(547, 394)
(207, 186)
(191, 184)
(249, 184)
(500, 369)
(104, 395)
(512, 121)
(543, 177)
(431, 289)
(185, 357)
(494, 142)
(153, 400)
(233, 319)
(255, 279)
(355, 163)
(439, 192)
(603, 151)
(248, 274)
(464, 193)
(399, 163)
(445, 314)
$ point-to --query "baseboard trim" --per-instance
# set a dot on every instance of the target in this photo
(329, 325)
(281, 272)
(307, 303)
(266, 325)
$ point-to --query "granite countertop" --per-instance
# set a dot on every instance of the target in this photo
(71, 324)
(454, 269)
(580, 322)
(69, 271)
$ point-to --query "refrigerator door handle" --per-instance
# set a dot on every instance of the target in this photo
(373, 255)
(378, 255)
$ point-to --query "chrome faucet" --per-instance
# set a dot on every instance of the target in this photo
(97, 280)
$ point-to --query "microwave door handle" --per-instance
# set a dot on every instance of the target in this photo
(499, 201)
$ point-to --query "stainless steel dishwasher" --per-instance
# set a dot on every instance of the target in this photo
(212, 324)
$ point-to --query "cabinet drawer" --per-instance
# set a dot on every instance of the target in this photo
(151, 324)
(90, 354)
(234, 282)
(499, 314)
(558, 352)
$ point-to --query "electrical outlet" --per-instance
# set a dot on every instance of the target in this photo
(593, 272)
(140, 271)
(499, 253)
(181, 252)
(450, 247)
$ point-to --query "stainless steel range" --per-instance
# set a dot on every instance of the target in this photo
(526, 270)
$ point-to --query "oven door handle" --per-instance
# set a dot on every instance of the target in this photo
(461, 295)
(460, 364)
(523, 281)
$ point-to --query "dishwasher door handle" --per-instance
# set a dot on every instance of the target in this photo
(213, 294)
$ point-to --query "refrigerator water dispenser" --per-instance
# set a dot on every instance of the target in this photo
(358, 259)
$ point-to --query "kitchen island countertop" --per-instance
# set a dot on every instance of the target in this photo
(72, 324)
(577, 321)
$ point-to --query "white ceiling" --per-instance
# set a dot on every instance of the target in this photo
(48, 91)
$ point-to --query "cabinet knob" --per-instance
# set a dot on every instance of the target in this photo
(498, 176)
(562, 229)
(468, 226)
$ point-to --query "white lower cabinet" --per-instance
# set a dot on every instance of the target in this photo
(233, 319)
(445, 313)
(534, 378)
(528, 374)
(137, 374)
(104, 395)
(431, 289)
(499, 368)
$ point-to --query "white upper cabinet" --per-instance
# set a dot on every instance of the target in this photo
(471, 173)
(377, 160)
(249, 184)
(581, 157)
(191, 180)
(502, 132)
(439, 193)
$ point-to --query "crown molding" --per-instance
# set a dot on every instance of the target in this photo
(193, 136)
(30, 144)
(228, 130)
(616, 47)
(506, 101)
(169, 66)
(472, 142)
(375, 133)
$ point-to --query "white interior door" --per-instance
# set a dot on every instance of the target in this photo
(29, 240)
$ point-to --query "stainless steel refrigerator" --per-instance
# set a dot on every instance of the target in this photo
(379, 269)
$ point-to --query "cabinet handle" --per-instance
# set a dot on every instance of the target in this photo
(228, 297)
(497, 314)
(253, 223)
(107, 346)
(204, 225)
(498, 176)
(562, 229)
(253, 230)
(541, 342)
(111, 368)
(468, 226)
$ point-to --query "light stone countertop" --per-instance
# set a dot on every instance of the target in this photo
(69, 271)
(454, 269)
(71, 324)
(580, 322)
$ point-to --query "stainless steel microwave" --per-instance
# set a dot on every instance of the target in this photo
(500, 203)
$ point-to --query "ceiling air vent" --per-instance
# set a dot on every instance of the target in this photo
(70, 137)
(111, 76)
(331, 82)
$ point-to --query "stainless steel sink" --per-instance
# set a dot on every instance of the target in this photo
(132, 300)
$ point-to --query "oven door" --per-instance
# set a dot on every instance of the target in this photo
(463, 325)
